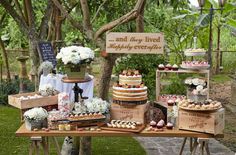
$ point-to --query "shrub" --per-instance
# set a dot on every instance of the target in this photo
(146, 64)
(12, 87)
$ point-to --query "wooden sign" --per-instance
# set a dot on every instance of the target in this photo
(141, 43)
(47, 53)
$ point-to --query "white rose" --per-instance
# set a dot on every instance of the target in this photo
(195, 81)
(199, 88)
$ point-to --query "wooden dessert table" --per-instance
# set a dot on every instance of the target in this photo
(23, 132)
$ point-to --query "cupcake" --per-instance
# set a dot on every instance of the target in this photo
(169, 126)
(175, 67)
(168, 66)
(161, 67)
(160, 124)
(170, 102)
(153, 123)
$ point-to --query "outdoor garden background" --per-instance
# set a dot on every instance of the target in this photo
(23, 23)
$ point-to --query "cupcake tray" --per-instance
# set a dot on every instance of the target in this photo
(137, 130)
(195, 67)
(194, 109)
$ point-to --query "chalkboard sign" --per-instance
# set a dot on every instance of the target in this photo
(47, 53)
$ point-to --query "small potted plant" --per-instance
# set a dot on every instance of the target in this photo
(35, 118)
(46, 67)
(75, 60)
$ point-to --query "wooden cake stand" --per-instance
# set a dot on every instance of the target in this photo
(79, 142)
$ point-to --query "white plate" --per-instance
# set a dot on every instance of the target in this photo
(195, 67)
(194, 53)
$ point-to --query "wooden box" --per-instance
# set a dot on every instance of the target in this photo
(207, 122)
(130, 112)
(30, 103)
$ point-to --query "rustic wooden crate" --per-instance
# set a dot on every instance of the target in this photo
(130, 112)
(207, 122)
(26, 104)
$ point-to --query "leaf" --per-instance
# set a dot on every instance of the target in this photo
(180, 16)
(231, 22)
(229, 7)
(213, 3)
(185, 15)
(203, 20)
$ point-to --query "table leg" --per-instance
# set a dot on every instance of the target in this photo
(182, 147)
(57, 146)
(202, 148)
(207, 148)
(31, 148)
(37, 143)
(45, 146)
(191, 144)
(195, 144)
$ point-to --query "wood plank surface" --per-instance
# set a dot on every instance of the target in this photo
(23, 132)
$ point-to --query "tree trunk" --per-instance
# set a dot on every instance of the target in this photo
(85, 146)
(140, 19)
(35, 59)
(106, 72)
(209, 56)
(217, 69)
(6, 59)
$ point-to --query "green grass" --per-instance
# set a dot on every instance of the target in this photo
(220, 78)
(12, 145)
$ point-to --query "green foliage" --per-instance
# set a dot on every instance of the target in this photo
(176, 87)
(146, 64)
(12, 87)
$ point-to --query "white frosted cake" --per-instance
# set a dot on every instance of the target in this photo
(130, 88)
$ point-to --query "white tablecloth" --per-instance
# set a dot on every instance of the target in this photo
(60, 86)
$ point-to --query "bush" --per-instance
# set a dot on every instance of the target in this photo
(146, 64)
(12, 87)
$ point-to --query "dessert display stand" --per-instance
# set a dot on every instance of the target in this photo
(194, 142)
(205, 72)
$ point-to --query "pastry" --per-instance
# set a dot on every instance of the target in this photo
(170, 103)
(169, 125)
(161, 67)
(168, 66)
(175, 67)
(153, 123)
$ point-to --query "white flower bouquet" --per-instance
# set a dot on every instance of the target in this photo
(36, 118)
(197, 89)
(45, 67)
(93, 105)
(74, 60)
(47, 90)
(75, 55)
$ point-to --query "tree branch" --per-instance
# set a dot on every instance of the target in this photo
(98, 10)
(18, 8)
(65, 13)
(45, 19)
(86, 19)
(123, 19)
(19, 20)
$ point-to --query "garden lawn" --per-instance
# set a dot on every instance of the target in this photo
(12, 145)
